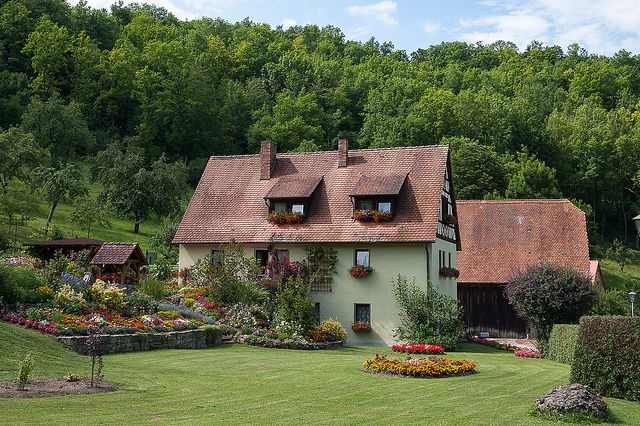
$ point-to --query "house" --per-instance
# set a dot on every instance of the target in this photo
(504, 237)
(121, 262)
(596, 274)
(410, 186)
(46, 250)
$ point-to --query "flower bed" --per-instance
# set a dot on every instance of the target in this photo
(281, 218)
(361, 327)
(432, 366)
(372, 216)
(105, 323)
(528, 353)
(358, 271)
(291, 343)
(422, 348)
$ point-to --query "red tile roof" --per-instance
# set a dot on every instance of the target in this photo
(117, 254)
(228, 202)
(503, 237)
(378, 185)
(68, 242)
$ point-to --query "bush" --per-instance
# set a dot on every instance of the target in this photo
(426, 315)
(548, 295)
(25, 372)
(332, 328)
(20, 285)
(612, 302)
(67, 299)
(213, 335)
(294, 304)
(607, 358)
(105, 295)
(4, 241)
(562, 343)
(153, 287)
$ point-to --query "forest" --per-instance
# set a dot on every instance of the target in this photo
(130, 102)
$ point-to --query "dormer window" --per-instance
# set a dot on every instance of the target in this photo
(289, 199)
(375, 198)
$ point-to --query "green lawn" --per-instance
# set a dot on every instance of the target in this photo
(236, 384)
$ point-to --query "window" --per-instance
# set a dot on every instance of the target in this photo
(362, 312)
(364, 204)
(297, 208)
(217, 257)
(444, 206)
(280, 207)
(362, 258)
(262, 256)
(384, 206)
(281, 255)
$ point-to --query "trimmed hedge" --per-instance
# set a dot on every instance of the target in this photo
(607, 356)
(562, 343)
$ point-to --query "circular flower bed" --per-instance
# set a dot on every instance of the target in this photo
(358, 271)
(432, 366)
(422, 348)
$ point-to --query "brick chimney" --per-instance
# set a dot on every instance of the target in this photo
(267, 159)
(343, 152)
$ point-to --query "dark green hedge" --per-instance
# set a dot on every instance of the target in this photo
(607, 356)
(562, 343)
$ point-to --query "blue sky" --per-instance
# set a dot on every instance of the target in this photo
(600, 26)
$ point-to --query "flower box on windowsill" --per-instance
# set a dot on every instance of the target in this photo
(372, 216)
(359, 327)
(450, 220)
(447, 272)
(281, 218)
(358, 271)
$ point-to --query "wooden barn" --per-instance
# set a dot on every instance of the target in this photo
(120, 262)
(501, 238)
(46, 250)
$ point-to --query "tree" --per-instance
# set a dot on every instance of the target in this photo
(134, 189)
(531, 178)
(477, 169)
(57, 183)
(620, 254)
(58, 127)
(18, 155)
(162, 240)
(89, 211)
(547, 295)
(17, 202)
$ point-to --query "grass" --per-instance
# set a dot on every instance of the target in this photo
(235, 384)
(616, 279)
(120, 231)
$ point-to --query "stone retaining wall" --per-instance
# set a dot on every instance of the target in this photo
(115, 343)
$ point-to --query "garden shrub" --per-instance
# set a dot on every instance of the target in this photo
(562, 343)
(294, 303)
(547, 295)
(67, 299)
(612, 302)
(21, 285)
(153, 287)
(607, 358)
(427, 316)
(213, 334)
(105, 295)
(25, 372)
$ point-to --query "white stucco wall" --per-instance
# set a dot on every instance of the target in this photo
(388, 260)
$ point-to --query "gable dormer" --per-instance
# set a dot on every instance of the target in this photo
(289, 200)
(375, 199)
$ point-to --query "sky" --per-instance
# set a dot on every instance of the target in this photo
(600, 26)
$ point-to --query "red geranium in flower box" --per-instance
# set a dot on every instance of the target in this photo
(358, 271)
(372, 216)
(447, 272)
(281, 218)
(361, 327)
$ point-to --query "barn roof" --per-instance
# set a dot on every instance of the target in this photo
(503, 237)
(229, 200)
(67, 242)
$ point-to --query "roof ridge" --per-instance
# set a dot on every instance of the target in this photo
(291, 153)
(518, 200)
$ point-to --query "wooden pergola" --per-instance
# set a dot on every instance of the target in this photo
(120, 262)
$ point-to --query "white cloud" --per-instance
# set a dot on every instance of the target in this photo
(358, 33)
(288, 22)
(382, 11)
(600, 26)
(184, 9)
(431, 27)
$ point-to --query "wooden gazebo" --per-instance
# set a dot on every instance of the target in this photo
(120, 262)
(46, 250)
